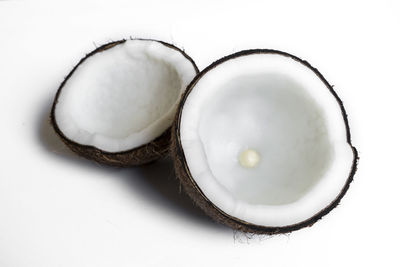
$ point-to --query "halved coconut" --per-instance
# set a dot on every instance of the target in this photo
(262, 144)
(118, 104)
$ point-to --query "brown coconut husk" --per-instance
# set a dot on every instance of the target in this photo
(192, 189)
(144, 154)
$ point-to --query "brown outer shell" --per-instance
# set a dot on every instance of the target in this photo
(146, 153)
(194, 191)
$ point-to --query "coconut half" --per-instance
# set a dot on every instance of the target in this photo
(261, 142)
(118, 104)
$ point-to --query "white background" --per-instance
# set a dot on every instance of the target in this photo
(60, 210)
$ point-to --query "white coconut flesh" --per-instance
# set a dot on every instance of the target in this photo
(123, 97)
(265, 140)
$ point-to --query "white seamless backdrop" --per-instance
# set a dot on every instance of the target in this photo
(60, 210)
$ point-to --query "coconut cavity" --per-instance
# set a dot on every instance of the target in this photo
(269, 144)
(264, 142)
(122, 96)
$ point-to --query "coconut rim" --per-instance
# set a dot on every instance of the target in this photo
(81, 61)
(239, 223)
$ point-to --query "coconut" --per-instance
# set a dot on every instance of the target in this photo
(118, 103)
(261, 142)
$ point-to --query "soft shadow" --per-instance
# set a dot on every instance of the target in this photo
(156, 182)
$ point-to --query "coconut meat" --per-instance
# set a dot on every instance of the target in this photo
(264, 140)
(123, 97)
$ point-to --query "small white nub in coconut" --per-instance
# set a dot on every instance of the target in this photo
(271, 106)
(249, 158)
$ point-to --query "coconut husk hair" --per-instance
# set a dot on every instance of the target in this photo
(194, 191)
(146, 153)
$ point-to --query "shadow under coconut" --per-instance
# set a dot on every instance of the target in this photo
(154, 182)
(158, 183)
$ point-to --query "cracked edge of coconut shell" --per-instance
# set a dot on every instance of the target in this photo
(194, 191)
(147, 153)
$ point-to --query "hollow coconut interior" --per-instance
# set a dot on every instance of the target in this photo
(265, 140)
(123, 97)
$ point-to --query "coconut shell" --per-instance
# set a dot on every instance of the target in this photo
(193, 190)
(144, 154)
